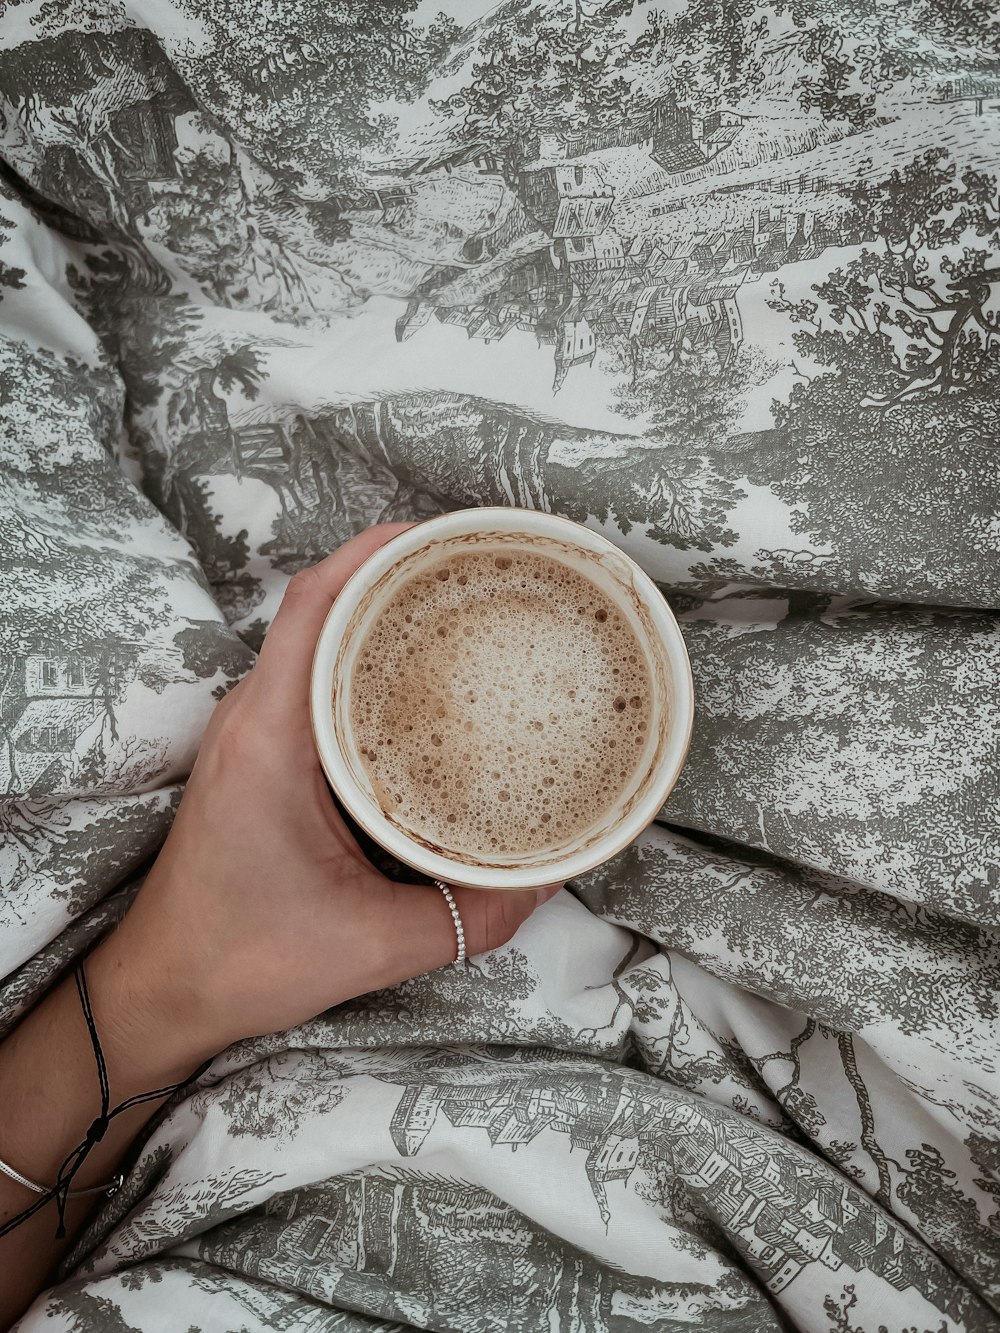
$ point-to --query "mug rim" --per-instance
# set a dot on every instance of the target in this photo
(507, 519)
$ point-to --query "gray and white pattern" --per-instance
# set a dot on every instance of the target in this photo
(721, 280)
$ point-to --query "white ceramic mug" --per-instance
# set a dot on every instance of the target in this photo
(633, 593)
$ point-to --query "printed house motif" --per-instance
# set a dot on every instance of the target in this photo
(784, 1213)
(587, 290)
(52, 700)
(682, 141)
(567, 201)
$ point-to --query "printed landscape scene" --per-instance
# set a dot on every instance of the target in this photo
(717, 278)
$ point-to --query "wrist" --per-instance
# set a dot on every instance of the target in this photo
(150, 1029)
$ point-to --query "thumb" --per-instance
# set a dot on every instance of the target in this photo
(490, 917)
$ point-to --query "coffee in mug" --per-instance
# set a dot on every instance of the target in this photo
(500, 703)
(501, 698)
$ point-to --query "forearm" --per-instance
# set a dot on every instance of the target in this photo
(49, 1096)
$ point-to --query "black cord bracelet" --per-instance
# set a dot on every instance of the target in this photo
(60, 1191)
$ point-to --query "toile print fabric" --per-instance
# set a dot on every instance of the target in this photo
(721, 280)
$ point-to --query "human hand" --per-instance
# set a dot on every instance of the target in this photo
(261, 910)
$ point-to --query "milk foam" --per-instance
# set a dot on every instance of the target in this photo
(500, 703)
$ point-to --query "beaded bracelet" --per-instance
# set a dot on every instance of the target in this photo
(456, 919)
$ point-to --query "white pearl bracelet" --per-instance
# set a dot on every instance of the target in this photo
(456, 917)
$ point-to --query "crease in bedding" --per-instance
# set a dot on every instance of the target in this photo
(720, 281)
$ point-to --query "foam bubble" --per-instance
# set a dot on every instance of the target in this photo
(506, 710)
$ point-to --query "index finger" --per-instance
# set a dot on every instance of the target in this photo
(286, 654)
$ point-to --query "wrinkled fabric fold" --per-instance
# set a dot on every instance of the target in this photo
(721, 283)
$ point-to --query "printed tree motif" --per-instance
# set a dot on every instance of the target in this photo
(277, 1097)
(860, 675)
(871, 1145)
(58, 428)
(223, 226)
(90, 1313)
(196, 416)
(229, 221)
(300, 86)
(925, 27)
(798, 1103)
(685, 402)
(839, 1311)
(736, 912)
(177, 1214)
(561, 66)
(180, 377)
(160, 349)
(489, 993)
(195, 403)
(126, 298)
(624, 1001)
(907, 348)
(985, 1153)
(140, 1180)
(700, 1234)
(100, 602)
(869, 48)
(78, 858)
(209, 648)
(56, 16)
(549, 67)
(919, 312)
(11, 278)
(677, 1046)
(681, 501)
(843, 1153)
(63, 97)
(202, 218)
(253, 634)
(28, 979)
(708, 50)
(135, 1279)
(685, 395)
(175, 375)
(101, 605)
(833, 89)
(847, 55)
(930, 1189)
(469, 450)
